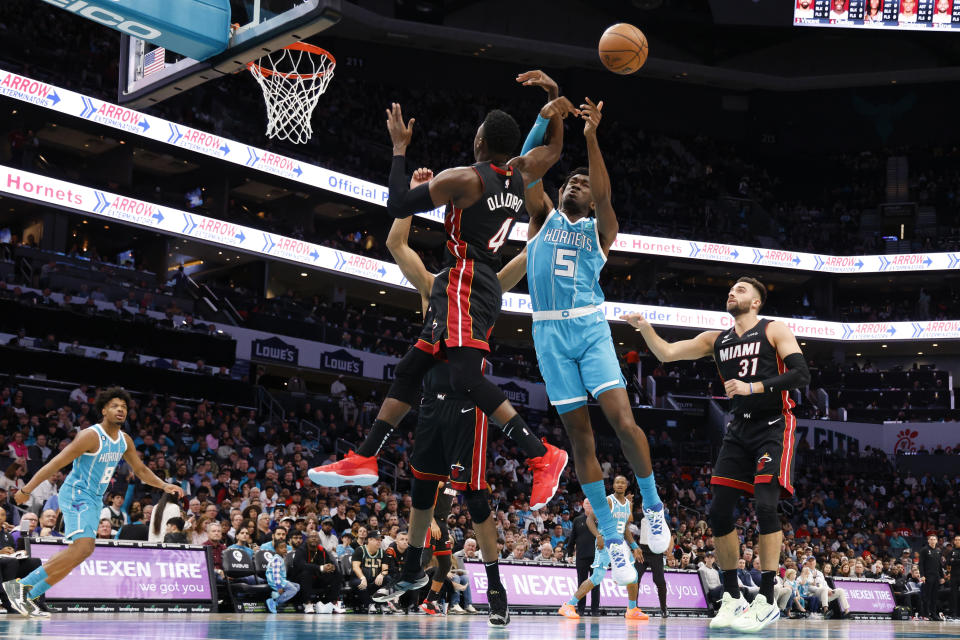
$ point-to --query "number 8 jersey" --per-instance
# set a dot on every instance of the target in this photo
(92, 472)
(564, 261)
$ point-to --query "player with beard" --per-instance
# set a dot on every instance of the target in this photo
(760, 363)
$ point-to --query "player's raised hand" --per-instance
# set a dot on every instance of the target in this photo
(635, 320)
(400, 133)
(421, 176)
(591, 114)
(538, 78)
(559, 107)
(173, 489)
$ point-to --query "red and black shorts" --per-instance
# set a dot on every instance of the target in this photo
(464, 305)
(450, 443)
(757, 450)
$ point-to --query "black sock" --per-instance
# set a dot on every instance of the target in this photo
(493, 575)
(518, 431)
(730, 584)
(412, 559)
(379, 434)
(766, 585)
(433, 595)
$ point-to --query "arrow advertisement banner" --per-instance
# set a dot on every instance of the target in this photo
(163, 131)
(85, 200)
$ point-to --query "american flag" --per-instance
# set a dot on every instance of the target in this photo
(154, 61)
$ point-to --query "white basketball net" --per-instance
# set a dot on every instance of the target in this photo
(292, 80)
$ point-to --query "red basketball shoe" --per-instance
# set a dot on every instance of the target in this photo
(546, 475)
(354, 470)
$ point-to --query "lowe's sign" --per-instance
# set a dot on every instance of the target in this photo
(197, 29)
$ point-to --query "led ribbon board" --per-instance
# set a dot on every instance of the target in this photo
(135, 122)
(85, 200)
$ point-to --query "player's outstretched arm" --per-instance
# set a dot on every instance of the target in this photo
(411, 266)
(534, 164)
(132, 458)
(607, 224)
(692, 349)
(86, 442)
(513, 271)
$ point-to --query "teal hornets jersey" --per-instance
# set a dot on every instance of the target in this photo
(621, 512)
(564, 261)
(92, 472)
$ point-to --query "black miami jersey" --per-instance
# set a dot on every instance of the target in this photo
(751, 358)
(479, 231)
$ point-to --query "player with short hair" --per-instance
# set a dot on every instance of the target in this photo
(482, 201)
(567, 248)
(622, 510)
(95, 454)
(760, 362)
(449, 444)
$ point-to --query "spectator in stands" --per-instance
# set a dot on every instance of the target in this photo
(338, 390)
(105, 529)
(280, 533)
(215, 542)
(175, 531)
(315, 571)
(370, 570)
(283, 589)
(328, 537)
(711, 579)
(460, 580)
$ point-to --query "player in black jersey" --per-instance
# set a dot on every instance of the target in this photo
(482, 202)
(759, 362)
(450, 442)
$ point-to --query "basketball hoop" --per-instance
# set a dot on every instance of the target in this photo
(292, 80)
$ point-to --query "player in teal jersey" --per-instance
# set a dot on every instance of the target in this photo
(95, 454)
(622, 511)
(567, 247)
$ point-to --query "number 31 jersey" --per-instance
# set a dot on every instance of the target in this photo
(750, 358)
(564, 261)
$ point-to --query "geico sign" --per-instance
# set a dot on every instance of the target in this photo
(108, 18)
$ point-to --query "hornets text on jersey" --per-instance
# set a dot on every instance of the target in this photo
(564, 261)
(92, 472)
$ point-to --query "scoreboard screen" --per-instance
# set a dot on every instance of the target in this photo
(878, 14)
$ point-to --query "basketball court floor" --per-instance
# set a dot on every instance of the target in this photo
(296, 627)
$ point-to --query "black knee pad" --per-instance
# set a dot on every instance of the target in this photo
(409, 376)
(722, 508)
(423, 493)
(478, 504)
(767, 495)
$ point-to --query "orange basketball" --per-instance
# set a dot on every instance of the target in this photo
(623, 48)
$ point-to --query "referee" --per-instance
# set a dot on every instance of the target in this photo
(585, 542)
(654, 562)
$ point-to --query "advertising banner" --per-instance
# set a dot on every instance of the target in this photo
(46, 95)
(66, 195)
(867, 596)
(892, 438)
(131, 572)
(536, 585)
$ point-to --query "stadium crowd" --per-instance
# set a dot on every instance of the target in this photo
(246, 486)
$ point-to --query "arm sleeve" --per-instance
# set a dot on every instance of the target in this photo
(535, 138)
(403, 202)
(796, 376)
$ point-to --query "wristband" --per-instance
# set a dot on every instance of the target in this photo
(24, 492)
(751, 388)
(634, 545)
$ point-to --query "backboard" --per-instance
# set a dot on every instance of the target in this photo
(149, 76)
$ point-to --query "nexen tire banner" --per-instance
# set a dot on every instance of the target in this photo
(120, 572)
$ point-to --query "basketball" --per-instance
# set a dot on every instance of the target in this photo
(623, 48)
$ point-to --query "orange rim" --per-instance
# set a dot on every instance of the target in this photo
(298, 46)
